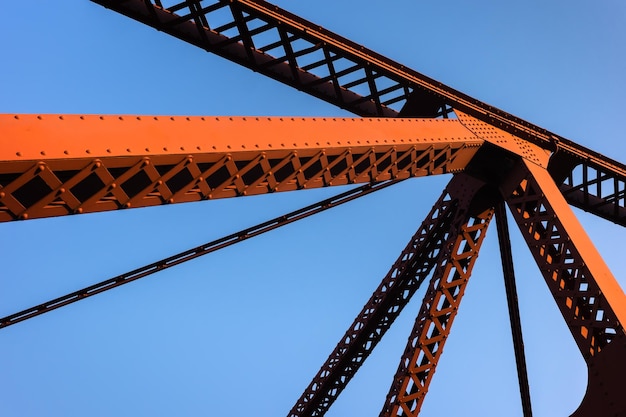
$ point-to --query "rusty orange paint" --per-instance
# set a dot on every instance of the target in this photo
(54, 165)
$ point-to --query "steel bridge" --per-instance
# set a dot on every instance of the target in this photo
(408, 125)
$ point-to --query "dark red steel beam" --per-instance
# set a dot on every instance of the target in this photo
(386, 303)
(292, 50)
(443, 297)
(506, 256)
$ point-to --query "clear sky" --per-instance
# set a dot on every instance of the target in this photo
(241, 332)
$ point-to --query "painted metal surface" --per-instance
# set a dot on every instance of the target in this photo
(136, 162)
(406, 275)
(304, 55)
(55, 165)
(442, 300)
(588, 296)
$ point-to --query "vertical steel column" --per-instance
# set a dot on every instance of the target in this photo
(511, 297)
(589, 297)
(441, 302)
(403, 279)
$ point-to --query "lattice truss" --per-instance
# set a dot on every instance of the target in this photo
(417, 127)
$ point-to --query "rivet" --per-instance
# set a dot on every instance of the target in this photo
(127, 205)
(24, 216)
(78, 210)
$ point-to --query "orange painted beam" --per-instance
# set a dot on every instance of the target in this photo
(55, 165)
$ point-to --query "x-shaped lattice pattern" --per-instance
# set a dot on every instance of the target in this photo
(48, 188)
(584, 307)
(439, 308)
(405, 276)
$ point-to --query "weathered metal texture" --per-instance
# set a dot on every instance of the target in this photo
(588, 296)
(441, 302)
(59, 165)
(396, 289)
(292, 50)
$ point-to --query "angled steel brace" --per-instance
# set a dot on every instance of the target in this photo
(442, 299)
(191, 254)
(403, 279)
(299, 53)
(588, 296)
(506, 256)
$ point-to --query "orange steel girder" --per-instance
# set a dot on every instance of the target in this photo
(132, 163)
(56, 165)
(590, 299)
(47, 168)
(583, 287)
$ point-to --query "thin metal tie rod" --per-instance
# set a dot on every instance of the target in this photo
(511, 298)
(194, 253)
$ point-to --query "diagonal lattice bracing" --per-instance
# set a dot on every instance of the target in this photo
(567, 261)
(590, 300)
(441, 302)
(403, 279)
(59, 165)
(294, 51)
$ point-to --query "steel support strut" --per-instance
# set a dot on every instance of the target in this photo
(589, 298)
(299, 53)
(442, 299)
(506, 256)
(403, 279)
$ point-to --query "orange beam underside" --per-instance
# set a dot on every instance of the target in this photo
(55, 165)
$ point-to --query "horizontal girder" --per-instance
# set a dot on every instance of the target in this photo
(294, 51)
(58, 165)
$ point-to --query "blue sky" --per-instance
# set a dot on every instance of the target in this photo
(242, 331)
